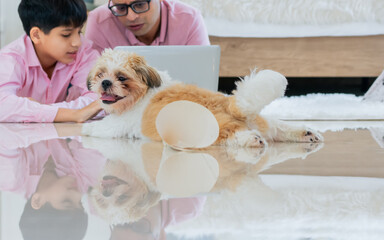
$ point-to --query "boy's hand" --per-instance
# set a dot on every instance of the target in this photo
(78, 115)
(88, 112)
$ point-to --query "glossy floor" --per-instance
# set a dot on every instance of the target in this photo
(57, 185)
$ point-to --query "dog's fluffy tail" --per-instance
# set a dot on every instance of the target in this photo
(259, 89)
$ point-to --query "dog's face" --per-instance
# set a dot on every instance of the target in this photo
(121, 79)
(121, 196)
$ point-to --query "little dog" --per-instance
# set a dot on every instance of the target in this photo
(133, 93)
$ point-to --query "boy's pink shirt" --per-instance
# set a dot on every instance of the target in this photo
(21, 76)
(180, 25)
(29, 148)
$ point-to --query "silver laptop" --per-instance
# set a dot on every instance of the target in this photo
(198, 65)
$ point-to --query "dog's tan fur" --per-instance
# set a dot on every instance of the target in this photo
(228, 116)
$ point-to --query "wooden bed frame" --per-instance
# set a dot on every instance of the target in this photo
(360, 56)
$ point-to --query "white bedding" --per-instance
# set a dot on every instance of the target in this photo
(291, 18)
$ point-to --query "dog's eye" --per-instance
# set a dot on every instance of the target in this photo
(100, 75)
(122, 79)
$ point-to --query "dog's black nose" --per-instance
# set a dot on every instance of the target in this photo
(106, 84)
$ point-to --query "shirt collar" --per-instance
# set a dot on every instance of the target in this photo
(31, 56)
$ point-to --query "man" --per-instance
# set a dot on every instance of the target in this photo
(145, 22)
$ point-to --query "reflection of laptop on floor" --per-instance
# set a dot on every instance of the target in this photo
(197, 65)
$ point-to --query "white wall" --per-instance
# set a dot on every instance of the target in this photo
(11, 27)
(1, 23)
(10, 24)
(100, 2)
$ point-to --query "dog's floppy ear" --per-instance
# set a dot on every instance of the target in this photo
(148, 74)
(151, 76)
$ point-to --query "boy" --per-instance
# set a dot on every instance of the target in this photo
(43, 73)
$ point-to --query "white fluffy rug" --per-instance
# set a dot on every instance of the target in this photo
(325, 107)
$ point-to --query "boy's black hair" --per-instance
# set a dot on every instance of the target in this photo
(48, 14)
(48, 223)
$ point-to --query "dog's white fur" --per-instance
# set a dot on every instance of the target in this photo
(136, 92)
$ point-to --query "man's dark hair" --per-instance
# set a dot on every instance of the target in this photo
(48, 14)
(48, 223)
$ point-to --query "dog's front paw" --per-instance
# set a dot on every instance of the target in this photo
(248, 138)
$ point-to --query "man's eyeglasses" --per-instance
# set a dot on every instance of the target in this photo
(122, 9)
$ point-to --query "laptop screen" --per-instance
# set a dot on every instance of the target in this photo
(198, 65)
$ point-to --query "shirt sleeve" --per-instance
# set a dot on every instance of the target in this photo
(78, 94)
(198, 34)
(13, 170)
(14, 108)
(93, 32)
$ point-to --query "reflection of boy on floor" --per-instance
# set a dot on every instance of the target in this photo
(43, 73)
(22, 168)
(53, 174)
(54, 211)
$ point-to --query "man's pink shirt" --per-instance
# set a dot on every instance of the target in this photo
(180, 25)
(21, 76)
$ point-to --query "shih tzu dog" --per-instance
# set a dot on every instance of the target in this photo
(133, 93)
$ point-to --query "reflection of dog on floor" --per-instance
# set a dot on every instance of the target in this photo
(244, 164)
(128, 187)
(134, 93)
(125, 191)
